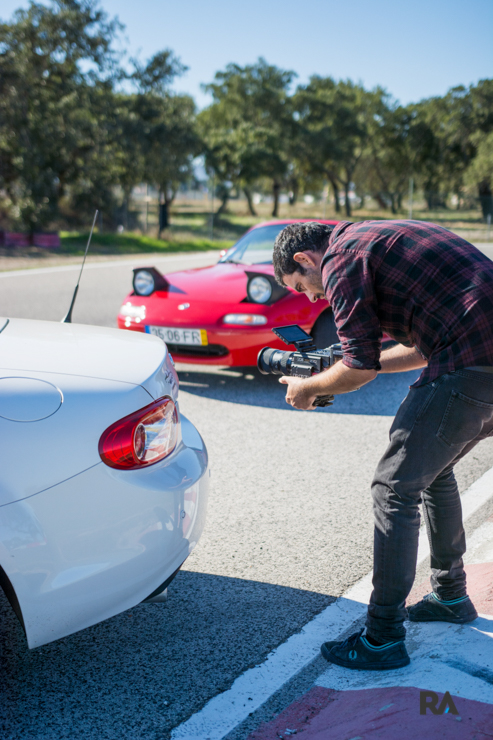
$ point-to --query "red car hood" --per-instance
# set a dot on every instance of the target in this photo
(224, 282)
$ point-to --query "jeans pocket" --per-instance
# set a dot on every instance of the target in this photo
(431, 389)
(463, 419)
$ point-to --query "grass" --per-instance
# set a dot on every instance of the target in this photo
(133, 243)
(191, 229)
(191, 217)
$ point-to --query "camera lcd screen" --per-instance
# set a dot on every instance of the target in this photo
(292, 333)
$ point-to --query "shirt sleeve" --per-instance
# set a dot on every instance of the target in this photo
(350, 290)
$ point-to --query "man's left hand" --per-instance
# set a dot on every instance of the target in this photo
(298, 394)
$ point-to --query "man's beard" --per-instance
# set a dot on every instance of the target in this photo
(315, 281)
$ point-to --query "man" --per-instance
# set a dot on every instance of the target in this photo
(432, 292)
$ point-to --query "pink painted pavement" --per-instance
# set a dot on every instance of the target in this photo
(386, 714)
(479, 587)
(389, 712)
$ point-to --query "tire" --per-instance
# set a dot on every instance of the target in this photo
(324, 331)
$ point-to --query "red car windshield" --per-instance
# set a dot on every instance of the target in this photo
(255, 248)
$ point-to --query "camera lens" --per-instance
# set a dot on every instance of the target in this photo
(272, 361)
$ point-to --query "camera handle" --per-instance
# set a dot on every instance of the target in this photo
(321, 401)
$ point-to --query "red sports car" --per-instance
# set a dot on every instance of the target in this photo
(223, 315)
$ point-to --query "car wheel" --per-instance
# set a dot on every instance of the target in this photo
(324, 330)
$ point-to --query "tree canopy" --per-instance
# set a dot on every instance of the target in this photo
(80, 127)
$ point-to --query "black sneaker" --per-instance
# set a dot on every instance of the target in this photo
(432, 609)
(357, 653)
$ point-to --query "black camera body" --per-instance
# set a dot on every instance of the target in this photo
(304, 362)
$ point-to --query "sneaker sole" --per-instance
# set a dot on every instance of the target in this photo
(452, 620)
(369, 667)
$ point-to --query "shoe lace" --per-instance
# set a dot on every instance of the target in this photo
(429, 597)
(352, 639)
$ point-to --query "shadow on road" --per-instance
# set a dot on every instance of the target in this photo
(247, 386)
(142, 672)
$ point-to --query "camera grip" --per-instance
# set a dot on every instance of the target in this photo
(321, 401)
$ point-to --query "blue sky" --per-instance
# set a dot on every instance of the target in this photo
(413, 49)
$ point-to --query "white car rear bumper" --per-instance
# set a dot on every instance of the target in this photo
(102, 541)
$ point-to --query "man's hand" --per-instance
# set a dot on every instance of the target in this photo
(298, 393)
(334, 380)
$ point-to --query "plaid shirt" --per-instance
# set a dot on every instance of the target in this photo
(422, 285)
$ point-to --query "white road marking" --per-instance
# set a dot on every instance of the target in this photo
(145, 262)
(254, 687)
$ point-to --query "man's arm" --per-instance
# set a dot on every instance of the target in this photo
(398, 359)
(337, 379)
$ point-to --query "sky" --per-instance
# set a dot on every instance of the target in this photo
(414, 50)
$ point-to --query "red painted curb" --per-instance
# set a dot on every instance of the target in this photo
(386, 714)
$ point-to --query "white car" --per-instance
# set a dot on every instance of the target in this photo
(103, 483)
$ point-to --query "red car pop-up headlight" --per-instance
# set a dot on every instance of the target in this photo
(142, 438)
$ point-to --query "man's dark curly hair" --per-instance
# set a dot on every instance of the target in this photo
(298, 238)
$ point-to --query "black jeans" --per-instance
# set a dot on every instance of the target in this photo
(435, 426)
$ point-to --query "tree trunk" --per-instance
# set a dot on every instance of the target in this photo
(485, 198)
(276, 189)
(392, 204)
(224, 203)
(127, 193)
(381, 201)
(347, 204)
(248, 196)
(335, 190)
(223, 192)
(163, 216)
(295, 189)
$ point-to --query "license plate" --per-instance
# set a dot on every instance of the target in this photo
(179, 336)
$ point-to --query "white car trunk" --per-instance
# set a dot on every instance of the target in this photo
(61, 386)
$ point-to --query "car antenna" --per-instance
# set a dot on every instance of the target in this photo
(68, 317)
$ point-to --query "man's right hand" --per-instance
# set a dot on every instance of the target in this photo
(298, 393)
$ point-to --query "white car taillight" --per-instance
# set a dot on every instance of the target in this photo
(142, 438)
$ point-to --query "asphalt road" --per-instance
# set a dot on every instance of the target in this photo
(289, 529)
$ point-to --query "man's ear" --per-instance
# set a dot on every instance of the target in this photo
(304, 258)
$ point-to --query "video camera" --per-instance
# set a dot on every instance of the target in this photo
(306, 361)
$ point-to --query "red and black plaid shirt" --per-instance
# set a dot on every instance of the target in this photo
(416, 281)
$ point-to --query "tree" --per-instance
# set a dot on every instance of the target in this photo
(171, 144)
(333, 119)
(396, 150)
(159, 127)
(249, 128)
(222, 149)
(480, 173)
(56, 72)
(450, 125)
